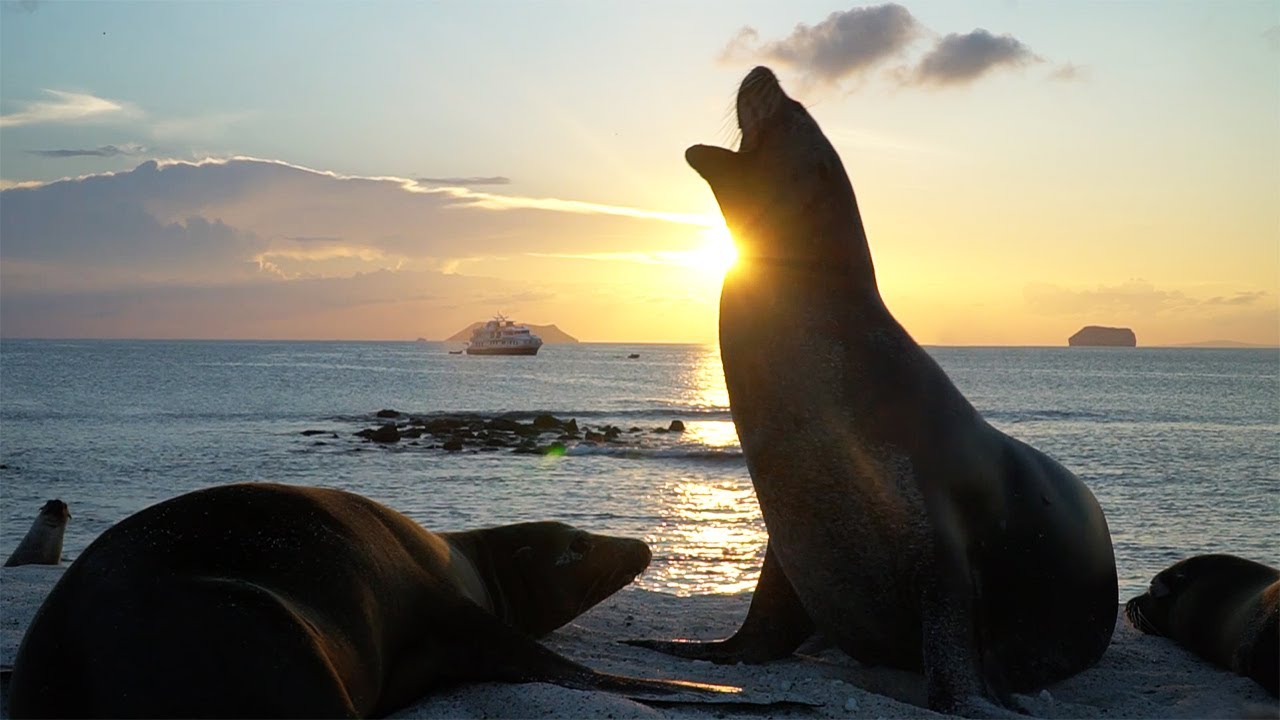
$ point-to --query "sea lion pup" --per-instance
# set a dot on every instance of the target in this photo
(264, 600)
(42, 545)
(901, 525)
(1220, 607)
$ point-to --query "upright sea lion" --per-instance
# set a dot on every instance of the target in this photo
(1221, 607)
(901, 525)
(42, 545)
(264, 600)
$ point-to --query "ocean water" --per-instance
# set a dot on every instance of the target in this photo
(1181, 446)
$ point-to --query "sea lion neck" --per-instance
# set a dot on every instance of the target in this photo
(474, 561)
(785, 194)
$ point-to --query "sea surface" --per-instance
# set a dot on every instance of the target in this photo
(1181, 446)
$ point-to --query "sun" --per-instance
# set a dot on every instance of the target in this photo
(717, 253)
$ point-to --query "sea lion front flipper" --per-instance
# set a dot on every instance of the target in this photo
(470, 644)
(775, 626)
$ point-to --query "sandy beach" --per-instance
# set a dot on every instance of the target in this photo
(1139, 677)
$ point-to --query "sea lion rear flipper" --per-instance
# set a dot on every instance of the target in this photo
(775, 626)
(960, 671)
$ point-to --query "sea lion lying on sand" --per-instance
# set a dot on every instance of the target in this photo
(42, 545)
(1221, 607)
(901, 525)
(264, 600)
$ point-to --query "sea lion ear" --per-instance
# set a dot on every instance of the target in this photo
(714, 164)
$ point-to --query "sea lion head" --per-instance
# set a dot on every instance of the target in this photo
(55, 512)
(784, 193)
(548, 573)
(1154, 612)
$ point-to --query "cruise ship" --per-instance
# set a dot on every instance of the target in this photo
(501, 336)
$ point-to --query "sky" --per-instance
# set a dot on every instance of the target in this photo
(398, 170)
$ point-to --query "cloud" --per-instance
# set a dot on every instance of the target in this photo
(1135, 298)
(1272, 37)
(457, 181)
(102, 151)
(25, 7)
(246, 247)
(1068, 72)
(233, 220)
(845, 44)
(66, 107)
(850, 44)
(1239, 299)
(959, 59)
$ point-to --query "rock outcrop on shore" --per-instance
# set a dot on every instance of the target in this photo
(540, 434)
(1098, 336)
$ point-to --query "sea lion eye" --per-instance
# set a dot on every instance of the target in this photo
(1158, 588)
(578, 548)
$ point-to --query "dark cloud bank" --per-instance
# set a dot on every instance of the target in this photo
(255, 248)
(849, 44)
(102, 151)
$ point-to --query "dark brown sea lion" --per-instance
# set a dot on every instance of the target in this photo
(264, 600)
(42, 545)
(1221, 607)
(901, 525)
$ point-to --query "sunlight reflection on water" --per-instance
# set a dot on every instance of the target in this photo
(711, 540)
(712, 433)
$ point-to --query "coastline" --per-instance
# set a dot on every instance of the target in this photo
(1140, 676)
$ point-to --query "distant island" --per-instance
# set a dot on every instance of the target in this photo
(1098, 336)
(550, 334)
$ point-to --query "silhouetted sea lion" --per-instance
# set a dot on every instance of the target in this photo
(901, 525)
(1221, 607)
(266, 600)
(42, 545)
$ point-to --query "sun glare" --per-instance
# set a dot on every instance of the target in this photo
(718, 253)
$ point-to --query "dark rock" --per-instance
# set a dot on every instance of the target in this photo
(571, 426)
(504, 425)
(388, 413)
(547, 422)
(594, 437)
(453, 444)
(382, 434)
(528, 447)
(412, 432)
(612, 432)
(436, 426)
(309, 433)
(634, 430)
(675, 426)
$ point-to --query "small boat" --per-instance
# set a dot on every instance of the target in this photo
(633, 356)
(455, 352)
(501, 336)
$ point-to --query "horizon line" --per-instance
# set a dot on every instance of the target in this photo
(1194, 345)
